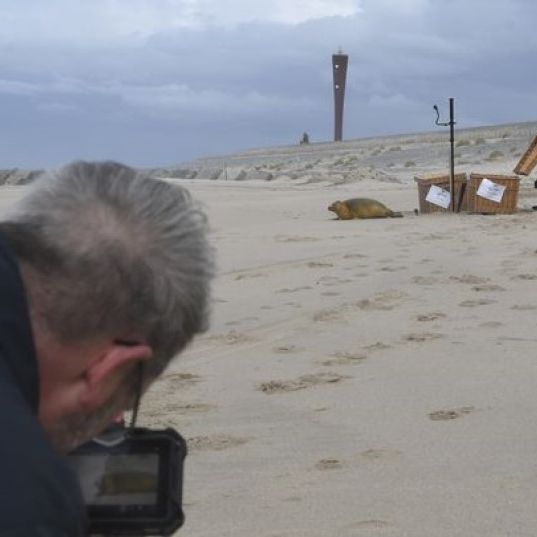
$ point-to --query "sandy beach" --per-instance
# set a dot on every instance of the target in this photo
(360, 378)
(364, 377)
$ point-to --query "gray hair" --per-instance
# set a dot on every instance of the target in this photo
(115, 253)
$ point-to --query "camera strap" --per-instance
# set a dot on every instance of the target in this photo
(138, 396)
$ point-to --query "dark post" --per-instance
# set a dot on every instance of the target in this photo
(452, 157)
(451, 126)
(339, 69)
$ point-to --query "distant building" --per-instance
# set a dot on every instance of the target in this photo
(339, 69)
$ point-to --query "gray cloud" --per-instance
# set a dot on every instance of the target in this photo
(186, 86)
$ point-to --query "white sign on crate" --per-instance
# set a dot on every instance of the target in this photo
(438, 196)
(491, 191)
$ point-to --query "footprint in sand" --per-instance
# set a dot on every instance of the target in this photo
(328, 315)
(217, 442)
(378, 346)
(231, 338)
(425, 280)
(475, 303)
(154, 407)
(294, 289)
(179, 380)
(294, 238)
(469, 278)
(330, 281)
(427, 317)
(285, 349)
(383, 301)
(526, 277)
(329, 464)
(376, 454)
(491, 324)
(435, 237)
(241, 321)
(451, 414)
(344, 358)
(187, 409)
(422, 337)
(305, 381)
(524, 307)
(250, 276)
(317, 264)
(488, 287)
(393, 269)
(192, 408)
(330, 293)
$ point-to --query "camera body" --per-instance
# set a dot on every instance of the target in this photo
(132, 481)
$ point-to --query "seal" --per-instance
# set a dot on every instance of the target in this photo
(127, 483)
(361, 208)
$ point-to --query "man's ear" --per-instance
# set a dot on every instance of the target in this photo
(104, 375)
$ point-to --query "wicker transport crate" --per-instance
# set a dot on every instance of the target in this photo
(528, 161)
(426, 181)
(478, 204)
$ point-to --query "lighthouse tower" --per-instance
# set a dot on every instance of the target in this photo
(339, 70)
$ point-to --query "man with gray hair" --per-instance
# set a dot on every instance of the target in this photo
(101, 269)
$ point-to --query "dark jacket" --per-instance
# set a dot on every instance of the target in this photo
(39, 495)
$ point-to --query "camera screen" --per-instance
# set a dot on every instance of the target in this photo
(118, 479)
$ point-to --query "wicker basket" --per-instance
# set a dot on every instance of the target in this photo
(478, 204)
(426, 181)
(528, 161)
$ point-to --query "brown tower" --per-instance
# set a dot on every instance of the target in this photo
(339, 69)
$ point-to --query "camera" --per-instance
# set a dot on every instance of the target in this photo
(132, 481)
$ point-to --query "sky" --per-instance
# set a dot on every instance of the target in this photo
(160, 82)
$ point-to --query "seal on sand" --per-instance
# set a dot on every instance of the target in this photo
(361, 208)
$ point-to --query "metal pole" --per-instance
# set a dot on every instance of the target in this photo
(452, 159)
(451, 126)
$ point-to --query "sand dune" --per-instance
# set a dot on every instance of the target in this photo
(389, 159)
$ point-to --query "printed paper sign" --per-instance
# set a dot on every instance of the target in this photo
(491, 191)
(438, 196)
